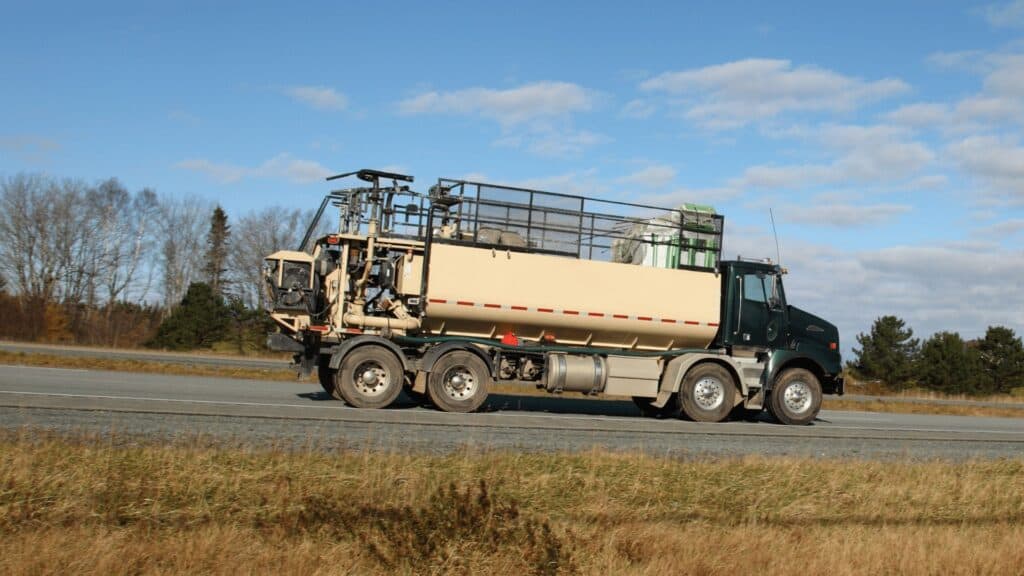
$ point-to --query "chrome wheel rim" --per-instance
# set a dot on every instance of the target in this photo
(371, 378)
(709, 393)
(797, 397)
(459, 383)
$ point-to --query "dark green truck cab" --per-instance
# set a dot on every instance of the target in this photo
(757, 321)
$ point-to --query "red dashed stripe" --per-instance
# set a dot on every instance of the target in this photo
(521, 308)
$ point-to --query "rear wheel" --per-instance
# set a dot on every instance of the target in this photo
(459, 382)
(708, 393)
(370, 376)
(796, 397)
(325, 374)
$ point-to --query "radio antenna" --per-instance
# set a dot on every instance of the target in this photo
(778, 253)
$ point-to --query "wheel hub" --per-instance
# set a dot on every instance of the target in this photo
(459, 383)
(370, 378)
(797, 397)
(709, 393)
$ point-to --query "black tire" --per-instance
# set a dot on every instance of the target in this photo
(707, 394)
(644, 404)
(459, 382)
(370, 376)
(796, 397)
(325, 374)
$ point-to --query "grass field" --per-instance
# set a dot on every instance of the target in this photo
(107, 506)
(1011, 410)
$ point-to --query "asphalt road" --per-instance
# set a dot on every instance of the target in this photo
(191, 359)
(285, 414)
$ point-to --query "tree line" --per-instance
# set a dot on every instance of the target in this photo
(95, 263)
(945, 362)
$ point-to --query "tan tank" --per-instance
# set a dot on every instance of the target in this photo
(490, 292)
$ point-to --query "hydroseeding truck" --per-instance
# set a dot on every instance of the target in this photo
(446, 293)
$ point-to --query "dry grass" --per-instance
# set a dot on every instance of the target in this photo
(95, 506)
(882, 405)
(123, 365)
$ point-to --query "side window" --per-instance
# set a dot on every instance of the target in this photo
(754, 288)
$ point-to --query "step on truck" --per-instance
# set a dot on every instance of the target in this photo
(445, 293)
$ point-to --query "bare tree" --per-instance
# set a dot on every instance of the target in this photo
(124, 238)
(41, 237)
(183, 224)
(256, 235)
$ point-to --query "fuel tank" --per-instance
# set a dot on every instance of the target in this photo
(490, 292)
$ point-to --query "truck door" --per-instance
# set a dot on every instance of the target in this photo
(762, 308)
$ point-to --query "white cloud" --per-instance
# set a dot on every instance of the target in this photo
(737, 93)
(655, 176)
(961, 60)
(1008, 15)
(29, 147)
(1010, 227)
(638, 108)
(928, 182)
(319, 97)
(997, 162)
(960, 288)
(578, 182)
(878, 153)
(679, 196)
(219, 171)
(510, 106)
(564, 143)
(843, 215)
(920, 115)
(282, 166)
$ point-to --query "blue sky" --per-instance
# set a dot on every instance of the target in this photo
(886, 137)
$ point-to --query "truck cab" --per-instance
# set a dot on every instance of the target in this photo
(758, 322)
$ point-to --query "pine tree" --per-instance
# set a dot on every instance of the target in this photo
(1001, 360)
(887, 353)
(946, 364)
(198, 322)
(217, 250)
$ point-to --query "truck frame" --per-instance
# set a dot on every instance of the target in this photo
(445, 293)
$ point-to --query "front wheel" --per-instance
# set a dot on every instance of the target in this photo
(459, 382)
(796, 397)
(370, 376)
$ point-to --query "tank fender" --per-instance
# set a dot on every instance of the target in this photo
(675, 371)
(426, 363)
(348, 345)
